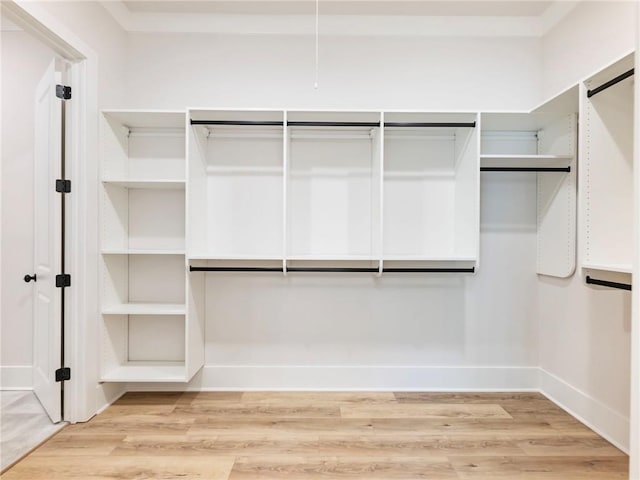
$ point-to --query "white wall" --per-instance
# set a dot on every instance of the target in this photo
(592, 36)
(24, 61)
(178, 70)
(326, 328)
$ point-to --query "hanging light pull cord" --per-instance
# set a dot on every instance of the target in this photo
(315, 85)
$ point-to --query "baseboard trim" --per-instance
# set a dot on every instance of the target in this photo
(18, 377)
(600, 418)
(360, 378)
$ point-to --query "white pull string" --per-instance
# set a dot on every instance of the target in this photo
(315, 85)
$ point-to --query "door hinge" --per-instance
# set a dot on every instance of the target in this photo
(63, 186)
(63, 92)
(63, 280)
(63, 374)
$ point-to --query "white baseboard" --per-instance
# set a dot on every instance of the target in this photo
(19, 377)
(603, 420)
(369, 378)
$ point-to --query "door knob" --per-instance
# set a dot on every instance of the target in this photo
(28, 278)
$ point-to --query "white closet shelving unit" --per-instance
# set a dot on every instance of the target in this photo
(150, 332)
(430, 189)
(542, 142)
(287, 190)
(607, 171)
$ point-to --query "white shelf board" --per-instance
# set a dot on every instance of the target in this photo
(148, 118)
(139, 251)
(145, 309)
(239, 256)
(337, 258)
(168, 184)
(542, 161)
(619, 268)
(147, 372)
(420, 258)
(390, 175)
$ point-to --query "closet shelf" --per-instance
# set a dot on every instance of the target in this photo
(141, 251)
(145, 309)
(421, 258)
(532, 162)
(618, 268)
(239, 256)
(146, 372)
(168, 184)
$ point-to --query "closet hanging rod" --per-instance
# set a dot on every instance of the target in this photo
(525, 169)
(254, 123)
(332, 124)
(430, 124)
(235, 269)
(606, 283)
(610, 83)
(332, 269)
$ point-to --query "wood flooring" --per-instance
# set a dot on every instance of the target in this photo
(304, 436)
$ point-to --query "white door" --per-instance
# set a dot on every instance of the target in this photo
(47, 322)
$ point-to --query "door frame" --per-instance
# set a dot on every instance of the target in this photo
(80, 393)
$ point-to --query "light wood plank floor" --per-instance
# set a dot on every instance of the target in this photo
(301, 436)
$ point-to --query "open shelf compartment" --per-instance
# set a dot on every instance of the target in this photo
(431, 186)
(607, 172)
(333, 191)
(236, 184)
(143, 146)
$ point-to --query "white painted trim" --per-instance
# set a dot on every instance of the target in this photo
(634, 440)
(357, 378)
(606, 422)
(18, 377)
(107, 394)
(347, 25)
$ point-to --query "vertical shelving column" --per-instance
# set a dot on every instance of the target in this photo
(334, 166)
(431, 190)
(607, 175)
(144, 312)
(236, 189)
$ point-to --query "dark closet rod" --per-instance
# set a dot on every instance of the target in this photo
(430, 124)
(610, 83)
(525, 169)
(331, 269)
(268, 123)
(332, 124)
(235, 269)
(255, 123)
(606, 283)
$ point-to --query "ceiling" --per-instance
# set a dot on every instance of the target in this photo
(337, 17)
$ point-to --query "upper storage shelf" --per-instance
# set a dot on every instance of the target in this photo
(430, 187)
(607, 173)
(544, 142)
